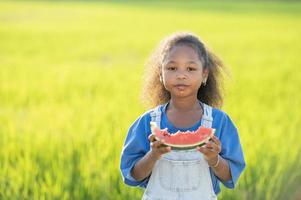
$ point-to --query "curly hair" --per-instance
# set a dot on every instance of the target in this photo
(154, 92)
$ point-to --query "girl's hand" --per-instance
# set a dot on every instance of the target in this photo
(211, 151)
(157, 147)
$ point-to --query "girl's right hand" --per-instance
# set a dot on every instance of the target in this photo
(157, 147)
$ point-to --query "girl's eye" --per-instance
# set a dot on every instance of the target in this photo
(191, 69)
(171, 68)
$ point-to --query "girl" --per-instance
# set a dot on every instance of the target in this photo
(184, 82)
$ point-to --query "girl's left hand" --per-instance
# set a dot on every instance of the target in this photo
(211, 150)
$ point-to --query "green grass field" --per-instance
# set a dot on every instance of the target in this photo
(70, 80)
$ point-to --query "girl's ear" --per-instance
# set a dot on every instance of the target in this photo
(205, 75)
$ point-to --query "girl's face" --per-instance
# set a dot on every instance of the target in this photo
(182, 72)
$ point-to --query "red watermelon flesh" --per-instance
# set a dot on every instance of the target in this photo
(186, 140)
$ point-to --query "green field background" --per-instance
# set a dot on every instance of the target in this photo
(70, 82)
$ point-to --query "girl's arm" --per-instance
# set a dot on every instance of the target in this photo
(144, 166)
(218, 164)
(221, 169)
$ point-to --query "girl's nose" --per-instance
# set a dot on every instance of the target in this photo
(181, 75)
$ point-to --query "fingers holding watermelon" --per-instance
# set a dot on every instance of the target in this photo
(211, 151)
(158, 147)
(216, 140)
(214, 145)
(152, 138)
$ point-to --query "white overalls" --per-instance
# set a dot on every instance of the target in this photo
(181, 174)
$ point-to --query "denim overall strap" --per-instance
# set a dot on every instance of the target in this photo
(156, 116)
(207, 116)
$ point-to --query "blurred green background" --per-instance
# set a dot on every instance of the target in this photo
(70, 81)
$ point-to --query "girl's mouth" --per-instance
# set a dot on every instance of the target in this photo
(181, 86)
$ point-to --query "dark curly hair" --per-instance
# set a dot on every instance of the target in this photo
(154, 92)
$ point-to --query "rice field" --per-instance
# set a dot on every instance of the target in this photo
(70, 82)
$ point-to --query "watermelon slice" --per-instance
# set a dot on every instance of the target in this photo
(183, 140)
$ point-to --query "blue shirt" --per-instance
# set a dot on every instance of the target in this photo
(136, 145)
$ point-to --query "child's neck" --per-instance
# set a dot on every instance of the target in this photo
(184, 105)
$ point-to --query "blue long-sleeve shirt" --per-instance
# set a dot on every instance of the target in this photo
(136, 145)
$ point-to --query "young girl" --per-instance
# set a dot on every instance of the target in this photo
(184, 82)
